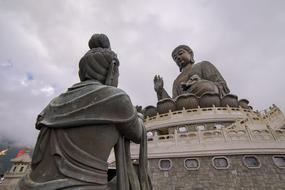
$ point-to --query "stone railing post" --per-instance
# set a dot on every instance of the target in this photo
(200, 138)
(155, 137)
(249, 134)
(272, 132)
(175, 136)
(224, 133)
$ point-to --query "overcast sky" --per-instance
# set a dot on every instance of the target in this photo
(41, 43)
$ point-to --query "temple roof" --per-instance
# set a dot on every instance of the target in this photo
(23, 158)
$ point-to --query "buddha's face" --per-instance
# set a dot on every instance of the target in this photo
(182, 58)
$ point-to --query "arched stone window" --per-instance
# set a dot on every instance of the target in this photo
(182, 129)
(279, 161)
(149, 134)
(221, 162)
(165, 164)
(14, 169)
(219, 126)
(21, 169)
(200, 127)
(251, 161)
(191, 163)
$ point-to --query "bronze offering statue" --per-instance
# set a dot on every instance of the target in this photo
(79, 128)
(198, 78)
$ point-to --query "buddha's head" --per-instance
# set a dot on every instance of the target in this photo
(100, 63)
(183, 55)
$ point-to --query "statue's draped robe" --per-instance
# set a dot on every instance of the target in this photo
(87, 103)
(206, 71)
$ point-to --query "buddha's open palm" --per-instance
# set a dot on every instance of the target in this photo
(158, 83)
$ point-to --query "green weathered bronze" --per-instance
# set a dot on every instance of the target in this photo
(79, 128)
(198, 78)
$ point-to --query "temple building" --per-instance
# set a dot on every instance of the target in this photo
(21, 165)
(224, 148)
(204, 137)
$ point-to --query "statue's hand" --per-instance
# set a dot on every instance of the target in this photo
(184, 86)
(158, 83)
(138, 108)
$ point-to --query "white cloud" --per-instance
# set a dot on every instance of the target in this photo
(24, 83)
(48, 90)
(6, 64)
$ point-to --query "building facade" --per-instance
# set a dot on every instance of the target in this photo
(21, 166)
(220, 148)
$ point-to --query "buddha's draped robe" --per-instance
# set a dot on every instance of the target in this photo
(205, 70)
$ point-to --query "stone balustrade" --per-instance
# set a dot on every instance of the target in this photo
(217, 142)
(225, 135)
(199, 115)
(272, 117)
(251, 132)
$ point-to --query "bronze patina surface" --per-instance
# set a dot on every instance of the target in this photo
(195, 78)
(79, 128)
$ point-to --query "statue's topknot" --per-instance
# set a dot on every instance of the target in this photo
(99, 41)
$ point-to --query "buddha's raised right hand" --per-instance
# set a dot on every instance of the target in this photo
(158, 83)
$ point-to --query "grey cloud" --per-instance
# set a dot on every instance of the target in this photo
(46, 39)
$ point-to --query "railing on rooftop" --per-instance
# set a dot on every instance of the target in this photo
(223, 135)
(273, 116)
